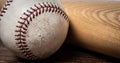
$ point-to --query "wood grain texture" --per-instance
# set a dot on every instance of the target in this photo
(95, 25)
(67, 54)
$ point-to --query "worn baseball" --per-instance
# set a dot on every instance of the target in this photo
(33, 29)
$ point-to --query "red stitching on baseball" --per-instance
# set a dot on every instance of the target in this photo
(7, 4)
(29, 15)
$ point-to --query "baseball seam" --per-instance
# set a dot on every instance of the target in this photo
(28, 17)
(5, 7)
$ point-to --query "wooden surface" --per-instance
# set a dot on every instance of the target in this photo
(95, 24)
(67, 54)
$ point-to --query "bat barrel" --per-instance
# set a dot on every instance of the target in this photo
(95, 25)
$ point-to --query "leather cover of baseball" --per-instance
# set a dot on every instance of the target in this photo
(33, 29)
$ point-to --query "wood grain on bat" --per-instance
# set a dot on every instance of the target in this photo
(95, 25)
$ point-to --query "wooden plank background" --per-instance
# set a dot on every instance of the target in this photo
(67, 54)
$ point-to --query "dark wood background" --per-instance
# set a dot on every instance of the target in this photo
(66, 54)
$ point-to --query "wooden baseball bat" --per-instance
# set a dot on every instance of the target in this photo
(95, 25)
(2, 2)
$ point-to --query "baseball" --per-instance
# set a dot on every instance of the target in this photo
(95, 25)
(33, 29)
